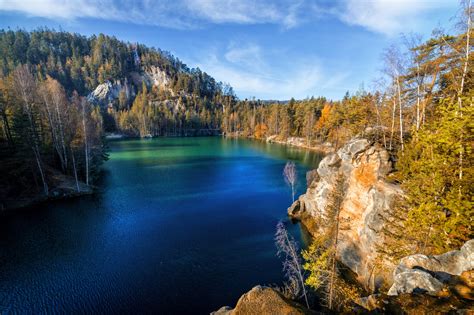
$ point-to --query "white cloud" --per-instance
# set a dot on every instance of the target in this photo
(53, 8)
(390, 16)
(175, 14)
(383, 16)
(235, 11)
(246, 68)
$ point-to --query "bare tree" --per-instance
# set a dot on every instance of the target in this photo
(288, 250)
(85, 113)
(25, 86)
(55, 104)
(466, 21)
(413, 41)
(394, 69)
(290, 175)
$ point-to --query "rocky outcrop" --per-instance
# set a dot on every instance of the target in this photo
(263, 300)
(302, 143)
(108, 92)
(420, 273)
(154, 76)
(368, 197)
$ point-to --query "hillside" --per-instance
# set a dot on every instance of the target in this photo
(112, 73)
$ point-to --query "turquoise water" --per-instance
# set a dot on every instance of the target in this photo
(181, 226)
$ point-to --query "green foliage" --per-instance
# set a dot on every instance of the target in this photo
(438, 184)
(318, 263)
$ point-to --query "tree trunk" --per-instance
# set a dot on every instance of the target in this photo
(300, 272)
(394, 108)
(8, 133)
(418, 83)
(461, 90)
(86, 144)
(400, 111)
(75, 170)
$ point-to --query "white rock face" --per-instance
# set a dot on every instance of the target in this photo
(428, 273)
(108, 92)
(154, 76)
(368, 198)
(454, 262)
(415, 281)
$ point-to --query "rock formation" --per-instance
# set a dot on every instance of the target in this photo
(430, 274)
(263, 300)
(108, 92)
(154, 76)
(368, 197)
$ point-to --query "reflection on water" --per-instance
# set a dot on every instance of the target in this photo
(182, 225)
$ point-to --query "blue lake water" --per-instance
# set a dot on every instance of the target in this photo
(181, 226)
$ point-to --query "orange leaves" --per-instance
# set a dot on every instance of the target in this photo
(260, 131)
(325, 114)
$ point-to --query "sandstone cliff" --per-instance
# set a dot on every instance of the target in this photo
(368, 198)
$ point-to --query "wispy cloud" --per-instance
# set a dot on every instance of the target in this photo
(235, 11)
(247, 68)
(390, 17)
(383, 16)
(175, 14)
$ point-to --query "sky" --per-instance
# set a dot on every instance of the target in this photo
(264, 49)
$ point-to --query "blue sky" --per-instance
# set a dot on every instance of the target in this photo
(265, 49)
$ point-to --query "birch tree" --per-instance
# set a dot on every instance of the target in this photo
(25, 87)
(394, 69)
(290, 175)
(288, 250)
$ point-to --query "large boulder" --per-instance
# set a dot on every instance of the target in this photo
(415, 281)
(454, 262)
(421, 273)
(261, 301)
(368, 197)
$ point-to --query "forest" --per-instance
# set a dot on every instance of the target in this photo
(421, 111)
(50, 126)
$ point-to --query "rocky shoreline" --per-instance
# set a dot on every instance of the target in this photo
(62, 187)
(303, 143)
(419, 284)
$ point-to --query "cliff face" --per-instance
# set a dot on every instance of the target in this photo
(109, 91)
(367, 200)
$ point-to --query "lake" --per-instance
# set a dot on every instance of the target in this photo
(180, 226)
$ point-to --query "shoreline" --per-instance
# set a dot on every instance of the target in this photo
(65, 188)
(290, 141)
(297, 142)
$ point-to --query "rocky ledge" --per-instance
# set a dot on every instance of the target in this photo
(368, 197)
(433, 274)
(263, 300)
(302, 143)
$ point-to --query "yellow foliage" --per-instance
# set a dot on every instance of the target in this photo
(260, 131)
(325, 114)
